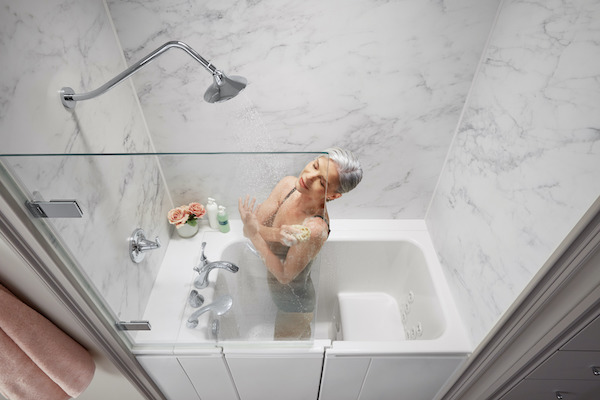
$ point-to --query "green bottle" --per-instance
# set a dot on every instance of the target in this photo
(223, 219)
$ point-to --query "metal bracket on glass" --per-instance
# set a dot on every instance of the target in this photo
(134, 325)
(55, 209)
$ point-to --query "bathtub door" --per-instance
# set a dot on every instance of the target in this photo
(410, 378)
(276, 376)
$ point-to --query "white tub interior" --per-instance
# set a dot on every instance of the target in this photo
(360, 323)
(383, 288)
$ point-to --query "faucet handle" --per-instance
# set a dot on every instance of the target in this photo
(203, 258)
(138, 245)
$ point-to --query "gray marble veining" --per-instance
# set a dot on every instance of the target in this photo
(524, 165)
(46, 45)
(386, 79)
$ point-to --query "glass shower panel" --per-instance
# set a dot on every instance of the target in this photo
(251, 314)
(119, 193)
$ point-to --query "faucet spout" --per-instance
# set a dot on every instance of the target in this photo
(220, 306)
(206, 266)
(201, 280)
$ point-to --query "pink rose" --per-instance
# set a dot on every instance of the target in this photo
(197, 209)
(178, 216)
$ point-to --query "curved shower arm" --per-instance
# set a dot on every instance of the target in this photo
(69, 98)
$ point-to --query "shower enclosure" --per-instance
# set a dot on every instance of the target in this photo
(218, 340)
(118, 194)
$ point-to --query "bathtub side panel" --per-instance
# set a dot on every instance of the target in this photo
(343, 377)
(416, 377)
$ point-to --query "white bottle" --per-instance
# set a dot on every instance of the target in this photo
(211, 213)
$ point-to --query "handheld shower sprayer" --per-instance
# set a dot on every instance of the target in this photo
(222, 89)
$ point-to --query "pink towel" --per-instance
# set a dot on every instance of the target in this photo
(38, 360)
(17, 372)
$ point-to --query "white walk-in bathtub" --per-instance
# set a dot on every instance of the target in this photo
(380, 289)
(385, 323)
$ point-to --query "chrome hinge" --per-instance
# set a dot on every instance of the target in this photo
(55, 209)
(134, 325)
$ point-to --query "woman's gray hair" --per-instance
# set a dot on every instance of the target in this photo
(349, 169)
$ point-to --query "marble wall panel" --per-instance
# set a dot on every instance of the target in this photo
(45, 45)
(117, 194)
(385, 79)
(524, 166)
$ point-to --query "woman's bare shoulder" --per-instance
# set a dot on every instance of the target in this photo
(288, 180)
(285, 185)
(319, 230)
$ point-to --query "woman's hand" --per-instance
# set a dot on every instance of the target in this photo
(248, 216)
(288, 235)
(291, 235)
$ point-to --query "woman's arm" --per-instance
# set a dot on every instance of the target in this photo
(270, 206)
(297, 257)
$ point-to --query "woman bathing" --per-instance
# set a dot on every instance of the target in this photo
(289, 229)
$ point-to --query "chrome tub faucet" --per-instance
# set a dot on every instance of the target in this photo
(206, 266)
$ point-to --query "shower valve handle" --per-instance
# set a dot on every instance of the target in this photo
(139, 245)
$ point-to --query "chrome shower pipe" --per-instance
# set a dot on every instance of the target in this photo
(69, 98)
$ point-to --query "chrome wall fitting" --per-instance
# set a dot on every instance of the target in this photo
(138, 245)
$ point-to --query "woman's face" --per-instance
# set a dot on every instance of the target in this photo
(319, 175)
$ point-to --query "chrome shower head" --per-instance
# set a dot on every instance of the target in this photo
(224, 87)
